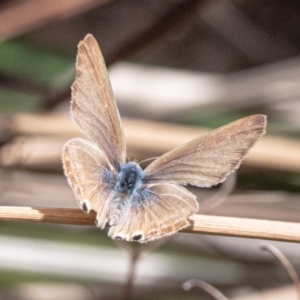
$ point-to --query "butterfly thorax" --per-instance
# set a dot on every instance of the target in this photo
(130, 178)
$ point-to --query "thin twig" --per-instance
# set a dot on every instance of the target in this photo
(215, 225)
(205, 286)
(129, 284)
(286, 264)
(136, 252)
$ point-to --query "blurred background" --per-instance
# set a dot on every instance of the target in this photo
(177, 69)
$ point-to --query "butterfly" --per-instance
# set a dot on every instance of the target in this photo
(141, 205)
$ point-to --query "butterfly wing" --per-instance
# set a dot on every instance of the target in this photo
(154, 211)
(90, 175)
(93, 106)
(208, 159)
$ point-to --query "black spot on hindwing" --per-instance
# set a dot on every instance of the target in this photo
(137, 237)
(85, 207)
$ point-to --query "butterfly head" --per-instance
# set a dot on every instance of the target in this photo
(130, 178)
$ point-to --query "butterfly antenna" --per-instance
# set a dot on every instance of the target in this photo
(152, 158)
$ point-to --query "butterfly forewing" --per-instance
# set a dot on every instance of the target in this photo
(209, 159)
(90, 175)
(93, 106)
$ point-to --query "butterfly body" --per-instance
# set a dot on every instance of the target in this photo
(130, 178)
(141, 205)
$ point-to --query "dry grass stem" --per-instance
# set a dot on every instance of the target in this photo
(22, 17)
(274, 153)
(215, 225)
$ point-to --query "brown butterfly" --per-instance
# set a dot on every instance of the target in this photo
(141, 205)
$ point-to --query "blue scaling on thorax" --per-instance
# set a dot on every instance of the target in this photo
(130, 177)
(109, 178)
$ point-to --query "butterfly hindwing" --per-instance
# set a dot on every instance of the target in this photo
(90, 176)
(155, 211)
